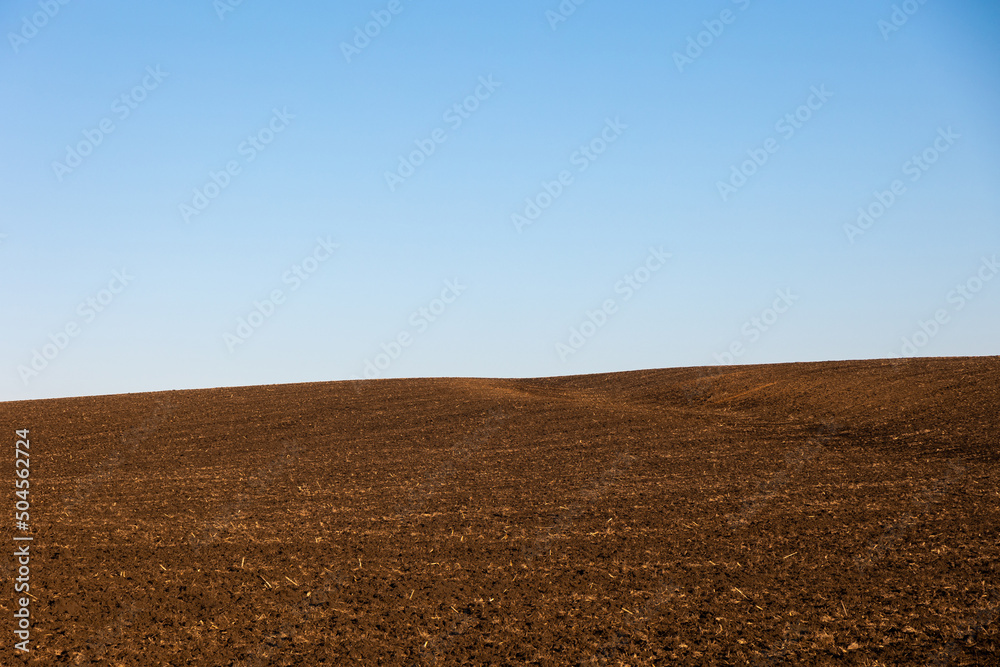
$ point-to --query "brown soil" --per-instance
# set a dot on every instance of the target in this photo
(838, 513)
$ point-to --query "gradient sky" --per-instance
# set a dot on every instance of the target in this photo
(681, 130)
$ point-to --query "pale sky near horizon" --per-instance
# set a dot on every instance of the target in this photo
(231, 194)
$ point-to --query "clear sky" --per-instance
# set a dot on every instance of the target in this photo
(508, 189)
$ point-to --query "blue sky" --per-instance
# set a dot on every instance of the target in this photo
(619, 100)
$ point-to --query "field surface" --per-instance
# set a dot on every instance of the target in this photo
(841, 513)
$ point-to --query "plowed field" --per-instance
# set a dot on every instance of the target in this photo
(841, 513)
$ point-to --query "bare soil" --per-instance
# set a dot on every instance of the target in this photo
(841, 513)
